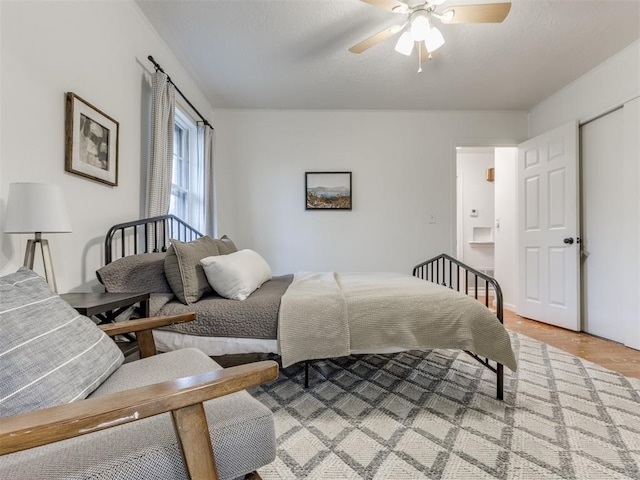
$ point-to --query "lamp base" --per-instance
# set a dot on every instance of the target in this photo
(30, 254)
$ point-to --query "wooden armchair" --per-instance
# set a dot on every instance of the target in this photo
(31, 434)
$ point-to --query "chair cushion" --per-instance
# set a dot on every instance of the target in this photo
(183, 270)
(49, 353)
(241, 429)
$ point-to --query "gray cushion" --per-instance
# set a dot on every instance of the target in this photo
(241, 428)
(49, 353)
(136, 273)
(183, 270)
(225, 245)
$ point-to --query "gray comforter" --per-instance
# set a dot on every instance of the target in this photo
(255, 317)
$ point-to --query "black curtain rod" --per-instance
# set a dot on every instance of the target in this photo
(158, 67)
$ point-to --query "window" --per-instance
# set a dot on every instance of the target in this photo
(186, 178)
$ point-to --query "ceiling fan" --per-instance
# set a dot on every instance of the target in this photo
(421, 33)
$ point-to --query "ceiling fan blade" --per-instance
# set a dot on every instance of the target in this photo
(386, 4)
(378, 37)
(484, 13)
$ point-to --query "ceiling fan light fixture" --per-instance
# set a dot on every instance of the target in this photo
(418, 16)
(419, 27)
(404, 45)
(434, 40)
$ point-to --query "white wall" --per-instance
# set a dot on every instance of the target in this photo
(613, 83)
(475, 193)
(97, 50)
(403, 166)
(506, 258)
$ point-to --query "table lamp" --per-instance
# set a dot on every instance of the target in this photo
(37, 208)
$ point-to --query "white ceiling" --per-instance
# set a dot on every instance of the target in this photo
(292, 54)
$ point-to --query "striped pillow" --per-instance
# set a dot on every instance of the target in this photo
(49, 354)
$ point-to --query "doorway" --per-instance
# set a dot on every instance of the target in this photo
(486, 211)
(475, 167)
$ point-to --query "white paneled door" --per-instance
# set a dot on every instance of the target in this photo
(548, 226)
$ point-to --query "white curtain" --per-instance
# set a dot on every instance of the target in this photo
(206, 141)
(159, 168)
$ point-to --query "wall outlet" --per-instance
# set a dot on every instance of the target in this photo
(432, 218)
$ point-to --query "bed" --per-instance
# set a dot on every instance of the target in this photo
(308, 315)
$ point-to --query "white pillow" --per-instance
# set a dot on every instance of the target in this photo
(236, 275)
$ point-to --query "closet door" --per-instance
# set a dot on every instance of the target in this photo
(604, 213)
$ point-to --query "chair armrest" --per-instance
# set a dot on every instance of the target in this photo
(33, 429)
(142, 327)
(141, 324)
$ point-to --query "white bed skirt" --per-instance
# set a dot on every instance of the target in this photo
(213, 346)
(216, 346)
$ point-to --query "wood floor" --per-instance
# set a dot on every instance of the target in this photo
(611, 355)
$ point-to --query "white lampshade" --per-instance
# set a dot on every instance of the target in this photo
(36, 207)
(434, 40)
(404, 45)
(419, 27)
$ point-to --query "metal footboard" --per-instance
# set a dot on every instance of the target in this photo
(146, 235)
(449, 272)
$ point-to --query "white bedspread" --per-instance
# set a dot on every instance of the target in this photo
(312, 322)
(326, 315)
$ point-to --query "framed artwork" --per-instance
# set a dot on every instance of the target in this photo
(327, 191)
(91, 142)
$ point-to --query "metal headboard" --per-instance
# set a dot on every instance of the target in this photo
(146, 235)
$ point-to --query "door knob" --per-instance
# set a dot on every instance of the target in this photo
(568, 241)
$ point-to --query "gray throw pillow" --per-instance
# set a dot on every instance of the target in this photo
(136, 273)
(225, 245)
(49, 354)
(183, 270)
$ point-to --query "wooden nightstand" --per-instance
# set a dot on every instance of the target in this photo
(107, 306)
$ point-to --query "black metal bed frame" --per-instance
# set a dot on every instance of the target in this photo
(147, 235)
(441, 270)
(155, 234)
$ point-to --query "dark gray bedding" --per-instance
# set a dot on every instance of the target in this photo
(255, 317)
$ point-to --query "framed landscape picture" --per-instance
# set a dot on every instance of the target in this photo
(91, 142)
(328, 191)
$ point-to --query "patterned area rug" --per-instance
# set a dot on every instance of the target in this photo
(434, 415)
